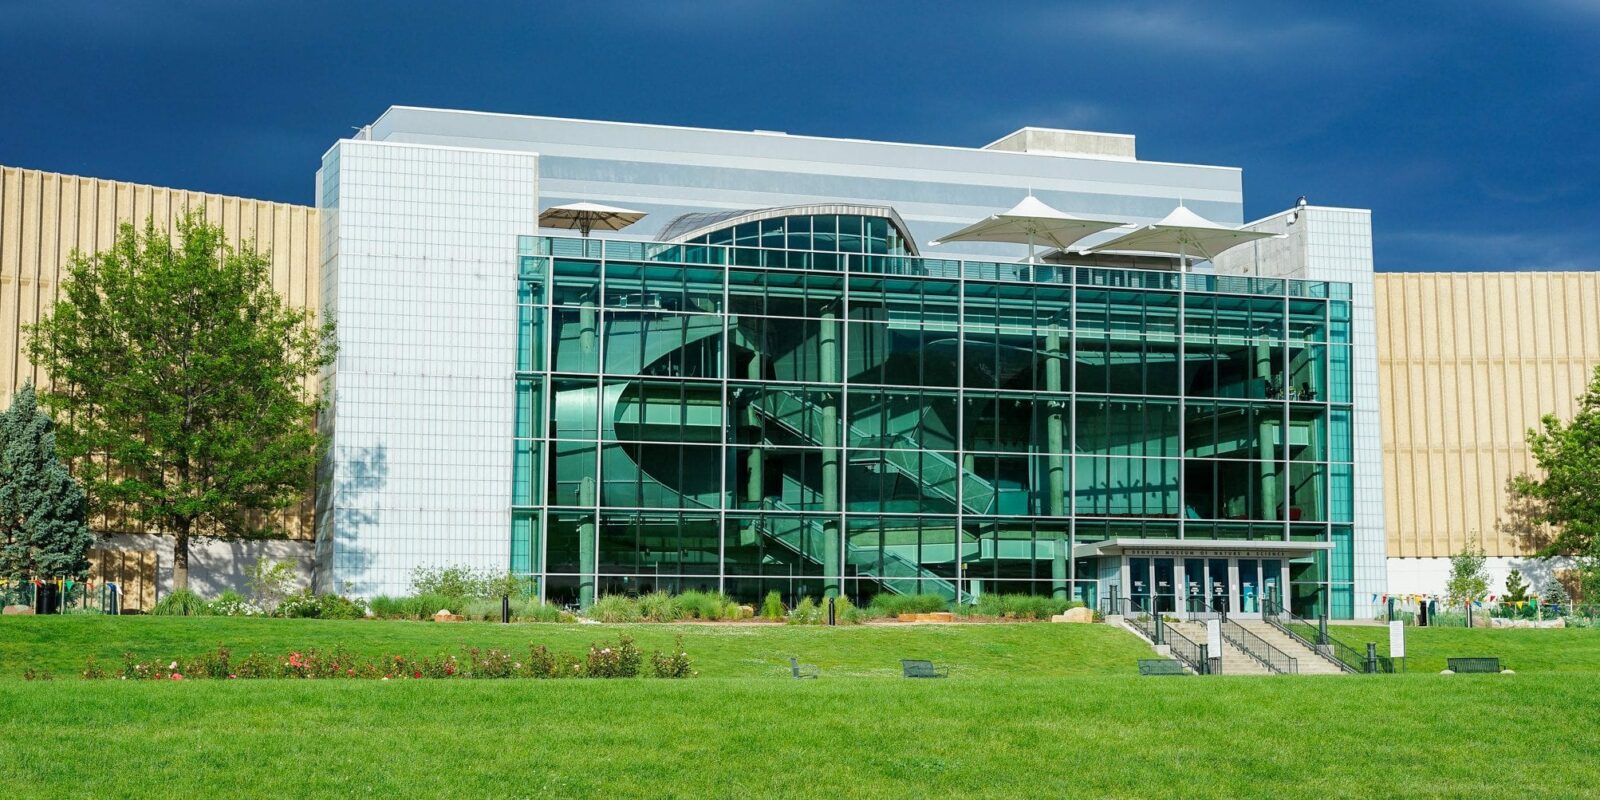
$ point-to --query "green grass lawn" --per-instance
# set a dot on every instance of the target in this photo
(1521, 649)
(1033, 710)
(986, 736)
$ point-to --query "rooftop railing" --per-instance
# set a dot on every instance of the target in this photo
(884, 264)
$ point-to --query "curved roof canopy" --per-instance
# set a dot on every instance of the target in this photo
(690, 226)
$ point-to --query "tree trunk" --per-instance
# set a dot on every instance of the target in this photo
(180, 555)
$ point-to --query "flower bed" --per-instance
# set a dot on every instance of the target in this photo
(620, 660)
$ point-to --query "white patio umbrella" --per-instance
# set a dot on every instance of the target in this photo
(589, 216)
(1181, 233)
(1030, 222)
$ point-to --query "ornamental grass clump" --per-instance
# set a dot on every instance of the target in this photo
(182, 603)
(1018, 606)
(772, 608)
(893, 605)
(660, 607)
(615, 608)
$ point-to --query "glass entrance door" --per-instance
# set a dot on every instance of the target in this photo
(1219, 585)
(1165, 586)
(1139, 585)
(1247, 592)
(1194, 585)
(1272, 580)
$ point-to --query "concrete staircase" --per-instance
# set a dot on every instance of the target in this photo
(1234, 660)
(1310, 661)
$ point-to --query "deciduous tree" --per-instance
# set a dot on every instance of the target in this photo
(180, 379)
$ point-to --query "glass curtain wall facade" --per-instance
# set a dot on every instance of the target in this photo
(801, 406)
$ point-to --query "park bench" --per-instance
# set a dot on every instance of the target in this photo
(1161, 666)
(1470, 665)
(799, 670)
(916, 668)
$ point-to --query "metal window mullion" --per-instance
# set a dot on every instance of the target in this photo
(961, 429)
(1182, 344)
(723, 446)
(602, 326)
(546, 391)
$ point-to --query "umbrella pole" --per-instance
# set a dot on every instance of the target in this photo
(1030, 247)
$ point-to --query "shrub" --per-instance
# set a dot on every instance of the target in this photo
(454, 581)
(892, 605)
(181, 603)
(659, 607)
(332, 606)
(233, 604)
(270, 582)
(615, 608)
(772, 607)
(674, 664)
(307, 605)
(621, 661)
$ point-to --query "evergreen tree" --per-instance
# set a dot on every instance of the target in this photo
(183, 383)
(44, 515)
(1516, 587)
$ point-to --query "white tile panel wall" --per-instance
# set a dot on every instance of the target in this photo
(421, 263)
(1339, 248)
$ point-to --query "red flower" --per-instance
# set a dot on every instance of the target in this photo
(417, 674)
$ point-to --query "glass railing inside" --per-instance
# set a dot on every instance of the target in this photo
(879, 264)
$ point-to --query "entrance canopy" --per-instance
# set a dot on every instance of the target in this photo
(1199, 548)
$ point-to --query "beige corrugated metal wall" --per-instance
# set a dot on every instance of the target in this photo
(1467, 362)
(45, 216)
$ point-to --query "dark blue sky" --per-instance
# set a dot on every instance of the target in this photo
(1472, 129)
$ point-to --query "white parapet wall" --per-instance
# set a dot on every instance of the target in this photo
(1429, 576)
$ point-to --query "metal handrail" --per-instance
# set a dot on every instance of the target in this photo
(1259, 649)
(1182, 647)
(1346, 657)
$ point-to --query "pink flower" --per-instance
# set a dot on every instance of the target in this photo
(177, 677)
(231, 677)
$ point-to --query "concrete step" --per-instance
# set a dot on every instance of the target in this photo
(1310, 661)
(1234, 660)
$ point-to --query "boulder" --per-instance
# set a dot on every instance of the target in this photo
(12, 610)
(1075, 615)
(444, 615)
